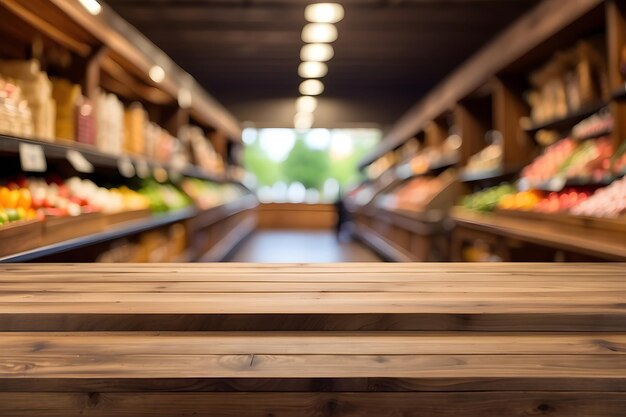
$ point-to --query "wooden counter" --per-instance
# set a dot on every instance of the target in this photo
(326, 339)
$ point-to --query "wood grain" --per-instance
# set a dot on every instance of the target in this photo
(488, 404)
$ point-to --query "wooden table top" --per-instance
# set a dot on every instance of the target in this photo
(313, 288)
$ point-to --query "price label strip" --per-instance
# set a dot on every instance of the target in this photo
(32, 158)
(79, 162)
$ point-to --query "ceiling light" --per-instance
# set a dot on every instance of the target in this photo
(157, 74)
(316, 52)
(312, 69)
(319, 32)
(306, 104)
(324, 12)
(311, 87)
(92, 6)
(302, 121)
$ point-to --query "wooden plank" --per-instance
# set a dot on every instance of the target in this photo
(483, 404)
(538, 321)
(280, 287)
(311, 366)
(364, 385)
(310, 343)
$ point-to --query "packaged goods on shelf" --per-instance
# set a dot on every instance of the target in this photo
(109, 123)
(37, 90)
(609, 201)
(66, 96)
(15, 113)
(569, 81)
(135, 119)
(490, 158)
(202, 151)
(85, 122)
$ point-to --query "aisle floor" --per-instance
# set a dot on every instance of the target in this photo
(309, 246)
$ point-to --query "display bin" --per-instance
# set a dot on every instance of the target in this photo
(20, 236)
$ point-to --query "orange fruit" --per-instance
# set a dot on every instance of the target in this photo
(25, 201)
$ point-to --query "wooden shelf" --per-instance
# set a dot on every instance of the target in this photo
(10, 145)
(582, 240)
(567, 122)
(229, 242)
(119, 231)
(382, 246)
(130, 228)
(523, 39)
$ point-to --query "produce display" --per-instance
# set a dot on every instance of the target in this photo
(609, 201)
(16, 204)
(549, 163)
(525, 200)
(585, 161)
(416, 193)
(488, 199)
(562, 201)
(164, 197)
(206, 194)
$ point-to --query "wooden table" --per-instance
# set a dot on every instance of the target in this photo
(327, 339)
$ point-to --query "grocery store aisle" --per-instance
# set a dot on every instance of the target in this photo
(311, 246)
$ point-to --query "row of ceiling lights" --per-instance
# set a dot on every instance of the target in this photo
(318, 34)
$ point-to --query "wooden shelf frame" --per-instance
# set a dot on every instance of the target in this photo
(111, 46)
(545, 21)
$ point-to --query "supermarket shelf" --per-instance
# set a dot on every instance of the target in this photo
(403, 172)
(215, 214)
(567, 122)
(134, 227)
(229, 242)
(584, 240)
(380, 245)
(558, 184)
(10, 145)
(120, 231)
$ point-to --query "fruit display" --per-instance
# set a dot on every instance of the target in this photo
(206, 194)
(415, 193)
(567, 159)
(562, 201)
(163, 197)
(15, 204)
(609, 201)
(525, 200)
(591, 159)
(55, 197)
(618, 161)
(548, 164)
(487, 200)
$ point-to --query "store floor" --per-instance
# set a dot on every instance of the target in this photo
(312, 246)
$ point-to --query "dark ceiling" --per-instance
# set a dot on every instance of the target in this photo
(389, 52)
